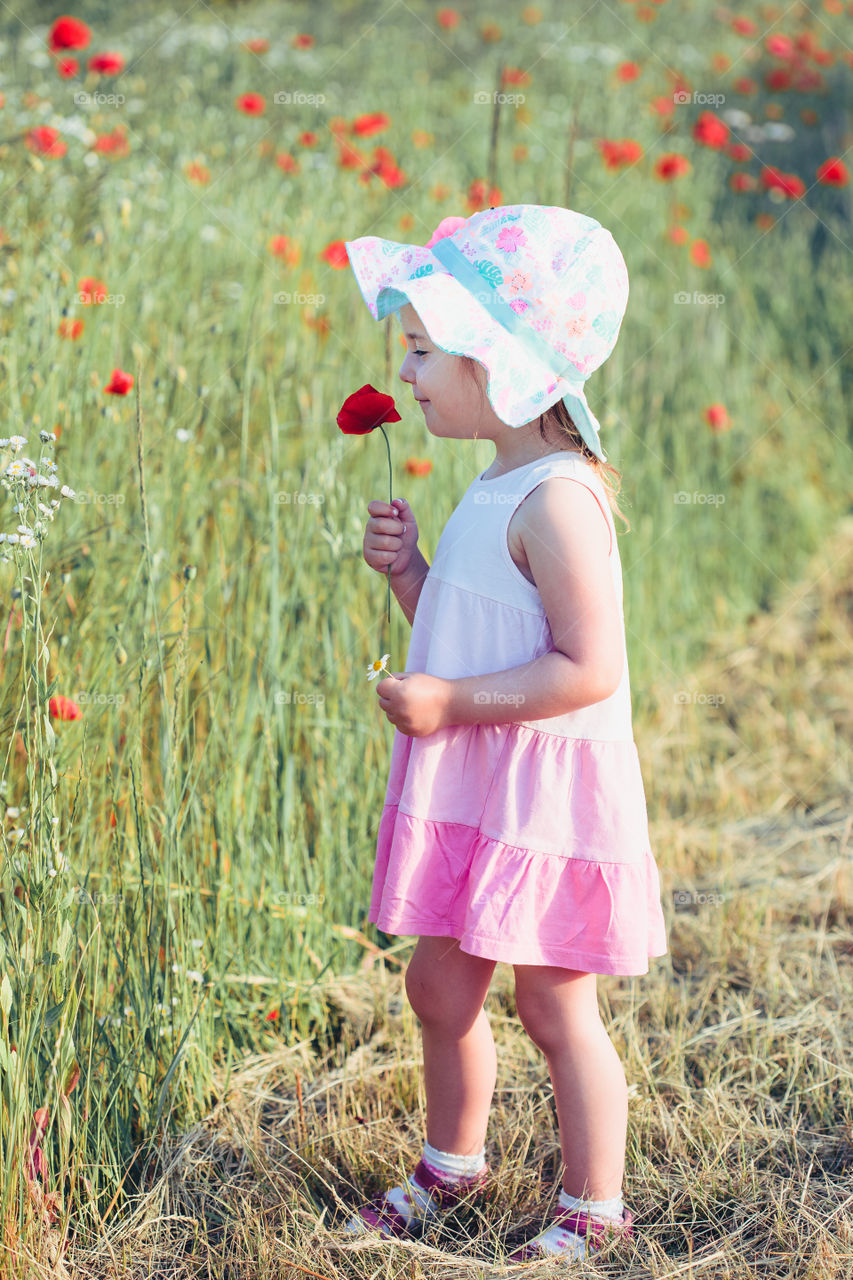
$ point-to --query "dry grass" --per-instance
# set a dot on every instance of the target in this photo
(736, 1045)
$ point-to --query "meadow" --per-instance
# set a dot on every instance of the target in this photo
(203, 1043)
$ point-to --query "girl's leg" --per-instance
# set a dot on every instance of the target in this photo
(559, 1010)
(447, 989)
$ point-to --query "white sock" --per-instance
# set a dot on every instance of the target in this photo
(413, 1202)
(568, 1243)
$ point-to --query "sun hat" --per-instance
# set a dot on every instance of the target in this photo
(535, 293)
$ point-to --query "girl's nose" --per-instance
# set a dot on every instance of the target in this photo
(405, 375)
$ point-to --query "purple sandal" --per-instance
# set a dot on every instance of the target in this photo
(580, 1223)
(380, 1214)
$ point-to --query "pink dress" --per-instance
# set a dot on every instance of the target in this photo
(528, 841)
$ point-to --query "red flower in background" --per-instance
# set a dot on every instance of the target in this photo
(335, 253)
(67, 67)
(700, 254)
(744, 27)
(833, 172)
(68, 33)
(62, 708)
(480, 195)
(627, 71)
(514, 75)
(364, 410)
(671, 165)
(302, 41)
(788, 183)
(91, 290)
(617, 153)
(251, 104)
(717, 417)
(70, 329)
(45, 141)
(367, 125)
(106, 64)
(447, 18)
(739, 152)
(287, 163)
(418, 466)
(119, 384)
(258, 45)
(780, 46)
(710, 130)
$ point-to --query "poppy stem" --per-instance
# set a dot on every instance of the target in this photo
(390, 493)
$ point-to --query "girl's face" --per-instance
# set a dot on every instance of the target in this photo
(450, 400)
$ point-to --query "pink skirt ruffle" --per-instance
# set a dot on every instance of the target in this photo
(526, 847)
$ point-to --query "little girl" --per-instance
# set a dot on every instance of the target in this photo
(515, 825)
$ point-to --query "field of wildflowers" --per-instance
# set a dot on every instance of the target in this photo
(192, 762)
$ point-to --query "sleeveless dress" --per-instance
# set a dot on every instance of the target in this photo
(527, 841)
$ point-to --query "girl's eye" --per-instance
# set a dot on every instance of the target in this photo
(421, 353)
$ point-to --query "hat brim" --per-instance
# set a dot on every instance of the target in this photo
(390, 275)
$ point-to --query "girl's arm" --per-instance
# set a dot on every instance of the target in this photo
(407, 586)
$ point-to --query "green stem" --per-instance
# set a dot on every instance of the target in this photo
(390, 493)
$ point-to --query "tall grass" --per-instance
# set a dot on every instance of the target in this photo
(206, 603)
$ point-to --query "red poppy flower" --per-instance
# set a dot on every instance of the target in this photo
(197, 173)
(744, 27)
(742, 182)
(514, 75)
(258, 45)
(70, 329)
(365, 126)
(779, 79)
(91, 290)
(662, 106)
(106, 64)
(710, 130)
(45, 141)
(616, 153)
(114, 143)
(418, 466)
(833, 172)
(364, 410)
(481, 195)
(779, 46)
(308, 139)
(678, 235)
(788, 183)
(62, 708)
(287, 163)
(745, 85)
(739, 152)
(627, 71)
(271, 1016)
(717, 417)
(68, 33)
(671, 165)
(302, 41)
(251, 104)
(67, 67)
(120, 383)
(335, 253)
(447, 18)
(700, 254)
(283, 247)
(349, 156)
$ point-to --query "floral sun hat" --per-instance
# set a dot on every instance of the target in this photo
(535, 293)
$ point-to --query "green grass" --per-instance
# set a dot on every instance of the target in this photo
(239, 743)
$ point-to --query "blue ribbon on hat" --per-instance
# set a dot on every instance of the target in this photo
(459, 266)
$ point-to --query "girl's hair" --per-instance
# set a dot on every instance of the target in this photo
(559, 419)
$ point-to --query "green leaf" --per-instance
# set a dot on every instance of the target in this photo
(6, 996)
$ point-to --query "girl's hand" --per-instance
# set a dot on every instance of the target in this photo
(390, 536)
(414, 702)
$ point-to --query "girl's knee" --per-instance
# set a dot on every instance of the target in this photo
(446, 986)
(554, 1005)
